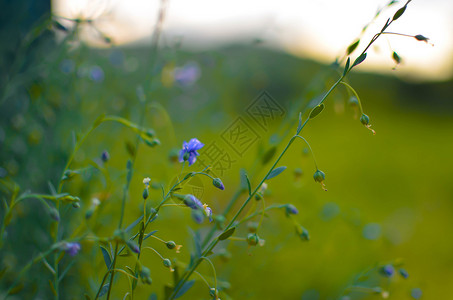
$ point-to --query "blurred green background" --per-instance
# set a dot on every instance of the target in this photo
(389, 196)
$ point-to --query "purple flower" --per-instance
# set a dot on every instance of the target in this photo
(71, 248)
(291, 209)
(96, 74)
(388, 270)
(208, 212)
(189, 151)
(192, 202)
(188, 74)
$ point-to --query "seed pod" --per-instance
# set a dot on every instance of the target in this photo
(253, 239)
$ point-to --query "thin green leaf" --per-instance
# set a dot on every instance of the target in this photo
(227, 234)
(352, 47)
(268, 155)
(359, 60)
(346, 67)
(149, 234)
(396, 57)
(107, 258)
(243, 177)
(184, 288)
(104, 290)
(316, 110)
(133, 224)
(299, 126)
(98, 120)
(276, 172)
(399, 13)
(63, 274)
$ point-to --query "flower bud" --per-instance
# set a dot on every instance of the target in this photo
(253, 239)
(170, 244)
(258, 196)
(54, 214)
(403, 273)
(145, 194)
(145, 275)
(422, 38)
(319, 176)
(105, 156)
(302, 233)
(365, 120)
(218, 183)
(291, 210)
(387, 270)
(133, 246)
(167, 263)
(76, 205)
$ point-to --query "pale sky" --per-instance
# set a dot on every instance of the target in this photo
(321, 29)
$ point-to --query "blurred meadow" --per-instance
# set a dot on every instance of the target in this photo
(388, 209)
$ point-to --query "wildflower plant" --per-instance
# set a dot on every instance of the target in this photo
(123, 249)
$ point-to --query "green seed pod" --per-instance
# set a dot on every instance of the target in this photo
(253, 239)
(145, 194)
(365, 120)
(76, 205)
(170, 244)
(167, 263)
(319, 176)
(258, 196)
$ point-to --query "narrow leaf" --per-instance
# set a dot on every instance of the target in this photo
(248, 184)
(316, 111)
(399, 13)
(346, 67)
(133, 224)
(396, 57)
(359, 59)
(104, 290)
(299, 126)
(184, 288)
(149, 234)
(227, 234)
(243, 177)
(16, 289)
(107, 258)
(268, 155)
(352, 47)
(99, 120)
(276, 172)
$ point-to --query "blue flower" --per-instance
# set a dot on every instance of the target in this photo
(388, 270)
(71, 248)
(189, 151)
(192, 202)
